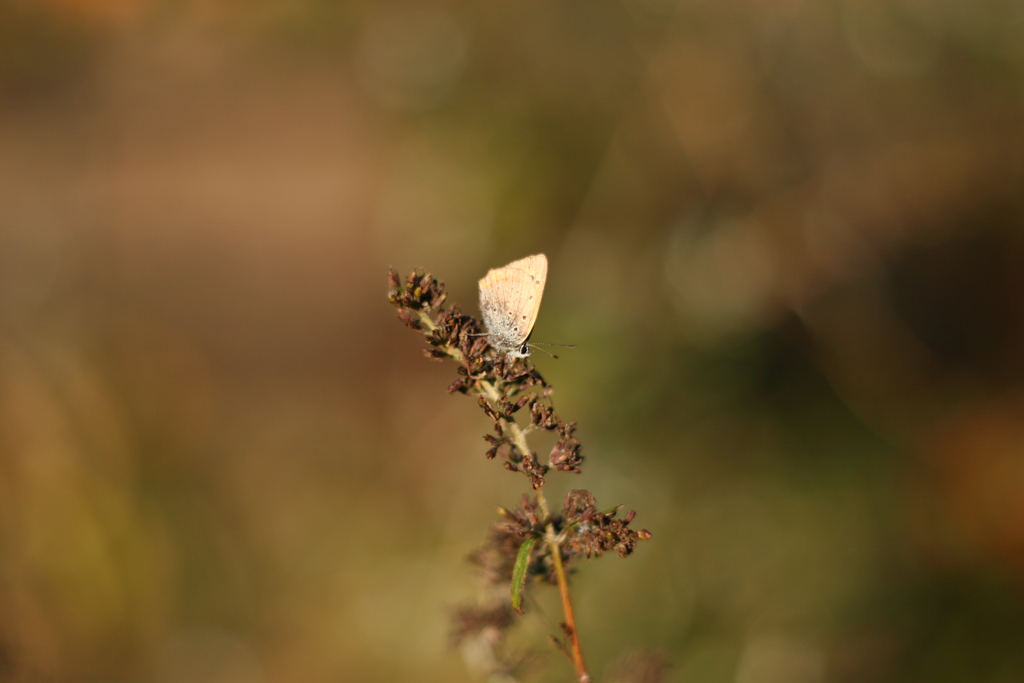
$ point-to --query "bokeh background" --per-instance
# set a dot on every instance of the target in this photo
(785, 235)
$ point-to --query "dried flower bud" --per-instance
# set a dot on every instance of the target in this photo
(534, 470)
(594, 533)
(394, 285)
(488, 410)
(522, 402)
(578, 500)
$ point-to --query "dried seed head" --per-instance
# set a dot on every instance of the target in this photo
(593, 533)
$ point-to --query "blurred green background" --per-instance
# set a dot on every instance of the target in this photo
(785, 235)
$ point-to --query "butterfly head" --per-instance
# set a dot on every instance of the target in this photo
(521, 352)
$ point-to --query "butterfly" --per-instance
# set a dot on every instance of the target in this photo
(510, 300)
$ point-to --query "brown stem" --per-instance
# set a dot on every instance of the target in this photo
(551, 538)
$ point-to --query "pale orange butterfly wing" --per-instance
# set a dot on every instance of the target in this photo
(510, 300)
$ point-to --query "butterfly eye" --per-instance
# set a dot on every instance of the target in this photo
(525, 349)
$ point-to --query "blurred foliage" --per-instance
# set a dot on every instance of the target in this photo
(786, 237)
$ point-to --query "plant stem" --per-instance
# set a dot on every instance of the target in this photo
(563, 588)
(550, 536)
(554, 544)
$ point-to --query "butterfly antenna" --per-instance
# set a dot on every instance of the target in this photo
(533, 346)
(537, 346)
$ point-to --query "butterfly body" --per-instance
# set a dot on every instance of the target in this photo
(510, 300)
